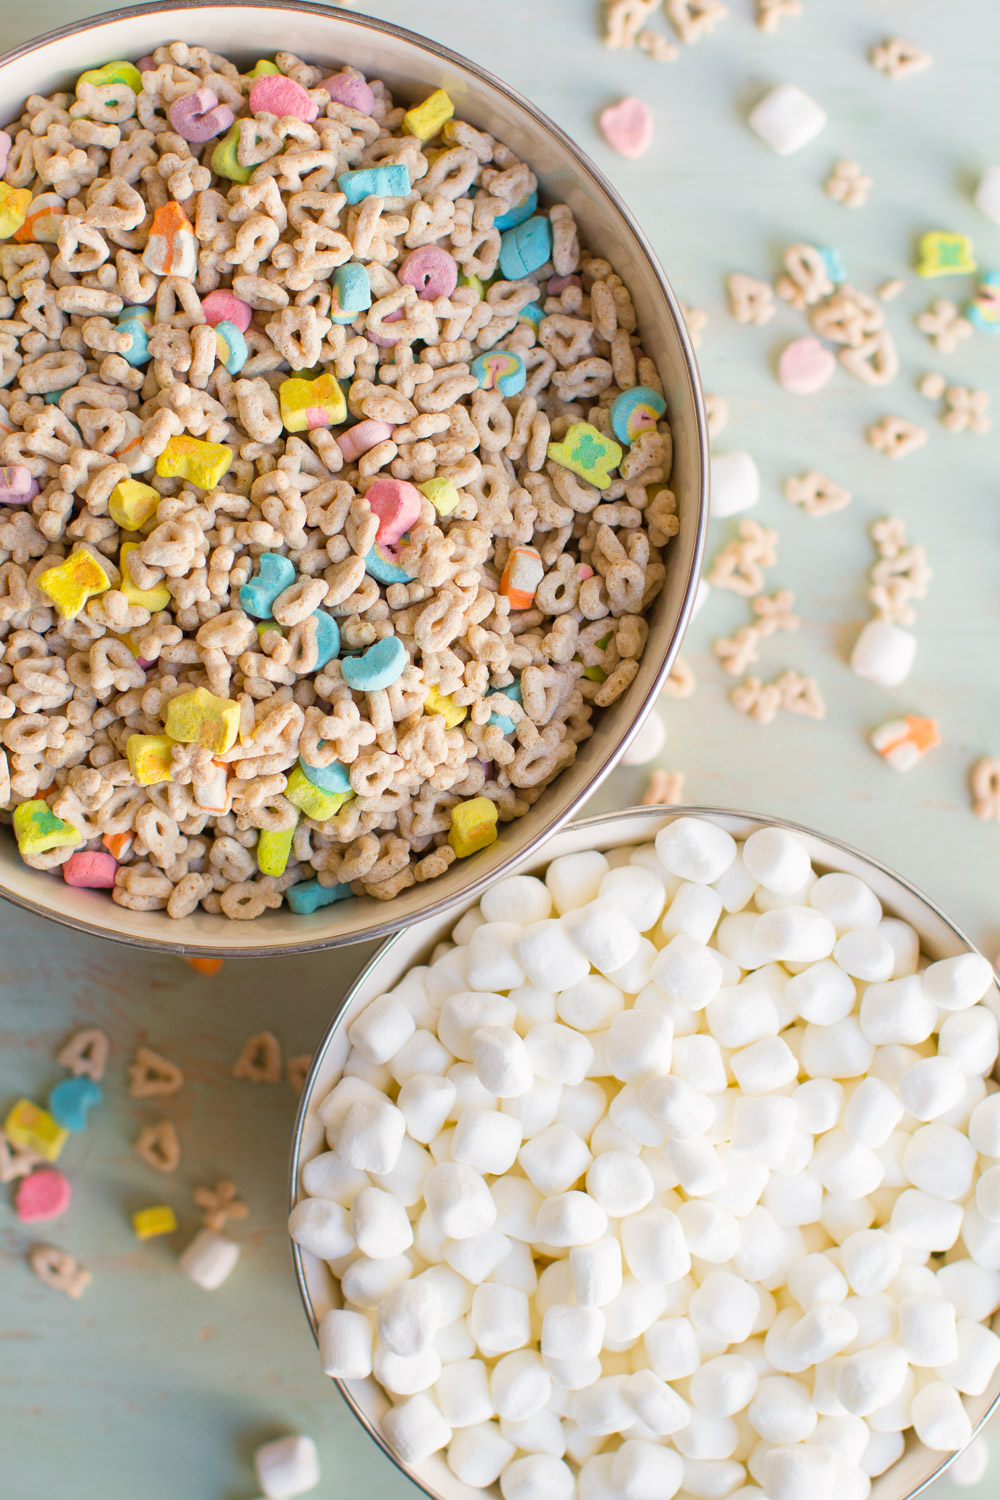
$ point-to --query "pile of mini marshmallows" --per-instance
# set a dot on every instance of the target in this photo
(676, 1170)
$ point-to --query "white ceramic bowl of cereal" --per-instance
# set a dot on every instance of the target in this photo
(413, 67)
(939, 938)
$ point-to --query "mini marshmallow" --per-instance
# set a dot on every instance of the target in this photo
(558, 1053)
(209, 1259)
(288, 1466)
(575, 879)
(379, 1224)
(956, 983)
(638, 892)
(969, 1468)
(693, 910)
(572, 1374)
(601, 1408)
(698, 1166)
(723, 1385)
(840, 1050)
(345, 1344)
(884, 1448)
(872, 1113)
(500, 1058)
(517, 1204)
(370, 1135)
(984, 1126)
(695, 849)
(640, 1043)
(725, 1306)
(870, 1259)
(671, 1347)
(735, 941)
(499, 1319)
(905, 944)
(815, 1281)
(822, 993)
(707, 1438)
(884, 653)
(426, 1100)
(415, 1429)
(654, 1247)
(533, 1006)
(582, 1106)
(459, 1200)
(698, 1060)
(940, 1160)
(597, 1271)
(762, 1126)
(735, 484)
(976, 1360)
(554, 1159)
(987, 194)
(535, 1110)
(409, 1316)
(590, 1005)
(322, 1228)
(641, 1470)
(764, 1248)
(764, 1066)
(741, 1014)
(538, 1476)
(777, 860)
(326, 1176)
(871, 1378)
(549, 957)
(570, 1332)
(381, 1028)
(988, 1195)
(865, 954)
(423, 1053)
(468, 1091)
(791, 1472)
(795, 1199)
(478, 1455)
(781, 1410)
(490, 964)
(847, 901)
(542, 1433)
(462, 1393)
(464, 1011)
(603, 934)
(620, 1182)
(678, 1106)
(487, 1140)
(519, 898)
(406, 1180)
(939, 1418)
(974, 1290)
(844, 1166)
(571, 1219)
(797, 934)
(712, 1232)
(655, 1403)
(931, 1087)
(927, 1332)
(819, 1103)
(687, 971)
(981, 1236)
(820, 1333)
(920, 1221)
(970, 1037)
(366, 1281)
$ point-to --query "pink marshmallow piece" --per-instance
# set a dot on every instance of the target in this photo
(199, 116)
(396, 502)
(146, 64)
(225, 307)
(362, 438)
(43, 1195)
(383, 343)
(92, 868)
(349, 89)
(556, 285)
(431, 271)
(274, 94)
(17, 485)
(805, 366)
(628, 126)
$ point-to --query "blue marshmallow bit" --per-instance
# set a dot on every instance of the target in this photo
(390, 181)
(274, 574)
(308, 896)
(232, 346)
(331, 778)
(136, 321)
(378, 667)
(327, 637)
(71, 1101)
(380, 565)
(513, 692)
(525, 247)
(351, 292)
(518, 213)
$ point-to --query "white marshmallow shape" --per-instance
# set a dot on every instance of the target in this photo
(288, 1466)
(321, 1227)
(370, 1135)
(884, 653)
(641, 1470)
(597, 1271)
(382, 1028)
(478, 1455)
(519, 898)
(636, 891)
(640, 1044)
(939, 1418)
(797, 934)
(735, 484)
(678, 1106)
(501, 1061)
(695, 850)
(345, 1344)
(687, 971)
(603, 933)
(459, 1200)
(209, 1259)
(956, 983)
(538, 1476)
(620, 1182)
(554, 1159)
(379, 1224)
(415, 1429)
(798, 1470)
(777, 860)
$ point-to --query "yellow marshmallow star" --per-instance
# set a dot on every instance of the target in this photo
(71, 583)
(149, 758)
(200, 718)
(200, 463)
(131, 504)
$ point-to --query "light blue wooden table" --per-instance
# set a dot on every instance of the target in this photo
(149, 1387)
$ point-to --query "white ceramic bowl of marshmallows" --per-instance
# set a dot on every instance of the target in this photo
(672, 1169)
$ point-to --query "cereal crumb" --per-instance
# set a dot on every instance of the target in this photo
(985, 781)
(750, 300)
(296, 1069)
(816, 494)
(85, 1054)
(716, 414)
(932, 385)
(808, 278)
(966, 411)
(848, 184)
(891, 289)
(771, 13)
(695, 320)
(896, 437)
(150, 1075)
(739, 565)
(220, 1204)
(901, 574)
(944, 325)
(656, 46)
(792, 691)
(260, 1059)
(665, 788)
(898, 59)
(159, 1147)
(694, 19)
(15, 1160)
(59, 1270)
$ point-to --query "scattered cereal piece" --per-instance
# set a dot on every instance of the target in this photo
(151, 1076)
(85, 1054)
(816, 494)
(680, 682)
(426, 119)
(801, 695)
(735, 484)
(770, 13)
(149, 1222)
(896, 437)
(656, 46)
(739, 566)
(59, 1270)
(898, 59)
(624, 20)
(716, 414)
(473, 826)
(805, 366)
(750, 300)
(587, 452)
(966, 410)
(874, 361)
(787, 119)
(774, 613)
(220, 1203)
(902, 742)
(848, 317)
(71, 1101)
(848, 184)
(15, 1161)
(737, 652)
(884, 653)
(260, 1059)
(628, 126)
(987, 195)
(45, 1194)
(207, 966)
(158, 1146)
(943, 253)
(665, 787)
(983, 310)
(890, 290)
(297, 1070)
(756, 699)
(37, 829)
(944, 325)
(985, 781)
(932, 385)
(695, 321)
(34, 1129)
(209, 1259)
(808, 278)
(71, 583)
(694, 19)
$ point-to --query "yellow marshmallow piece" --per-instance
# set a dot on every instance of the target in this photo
(426, 119)
(13, 209)
(37, 829)
(131, 504)
(445, 705)
(149, 758)
(473, 826)
(156, 598)
(149, 1222)
(311, 799)
(441, 493)
(307, 404)
(192, 459)
(273, 848)
(72, 582)
(200, 718)
(34, 1129)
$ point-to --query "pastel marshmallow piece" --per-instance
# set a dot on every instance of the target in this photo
(288, 1466)
(787, 119)
(735, 484)
(884, 653)
(805, 366)
(628, 126)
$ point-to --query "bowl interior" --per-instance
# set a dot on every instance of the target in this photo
(320, 1291)
(412, 67)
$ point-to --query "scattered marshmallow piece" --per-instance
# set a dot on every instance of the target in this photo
(648, 742)
(628, 126)
(209, 1259)
(987, 196)
(805, 365)
(787, 119)
(884, 653)
(288, 1466)
(735, 484)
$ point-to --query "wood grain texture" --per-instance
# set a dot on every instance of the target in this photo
(151, 1387)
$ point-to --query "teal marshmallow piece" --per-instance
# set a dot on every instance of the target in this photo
(833, 265)
(332, 778)
(274, 574)
(135, 321)
(52, 398)
(327, 637)
(983, 312)
(378, 667)
(71, 1101)
(308, 896)
(518, 213)
(232, 346)
(533, 314)
(501, 720)
(501, 370)
(524, 248)
(379, 565)
(390, 181)
(351, 293)
(635, 411)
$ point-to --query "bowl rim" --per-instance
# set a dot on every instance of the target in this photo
(595, 822)
(589, 172)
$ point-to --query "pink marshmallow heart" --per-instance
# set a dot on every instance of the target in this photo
(199, 116)
(225, 307)
(91, 868)
(362, 438)
(349, 89)
(628, 127)
(274, 94)
(397, 505)
(43, 1195)
(805, 366)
